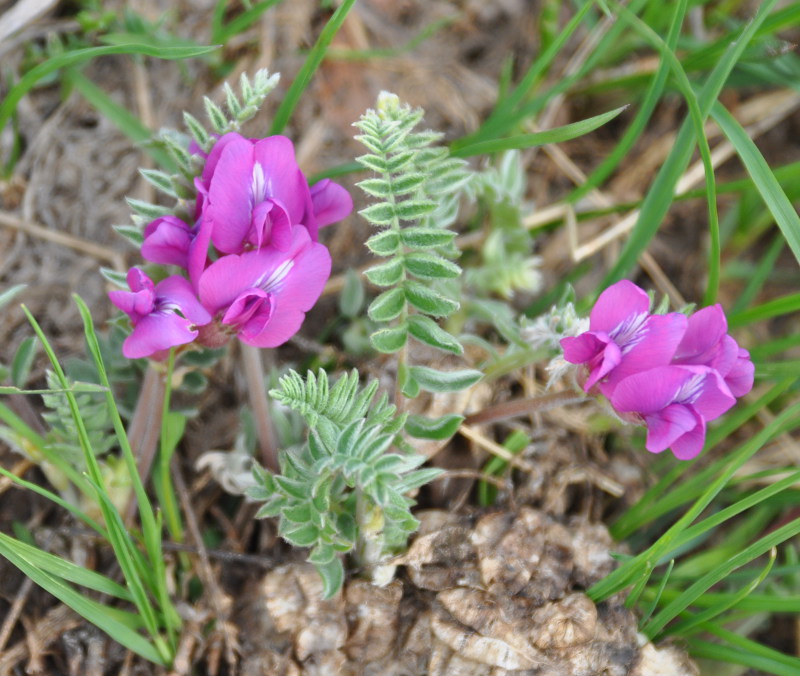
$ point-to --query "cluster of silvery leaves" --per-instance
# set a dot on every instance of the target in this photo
(507, 266)
(179, 185)
(346, 490)
(343, 491)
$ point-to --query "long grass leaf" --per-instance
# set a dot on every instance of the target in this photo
(687, 597)
(768, 187)
(57, 499)
(555, 135)
(688, 625)
(310, 66)
(662, 191)
(66, 570)
(636, 127)
(122, 117)
(96, 613)
(622, 576)
(29, 80)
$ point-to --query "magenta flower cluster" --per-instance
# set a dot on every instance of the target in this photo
(252, 265)
(671, 372)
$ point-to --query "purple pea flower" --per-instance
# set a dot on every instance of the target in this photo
(675, 402)
(163, 315)
(252, 192)
(264, 294)
(623, 337)
(706, 342)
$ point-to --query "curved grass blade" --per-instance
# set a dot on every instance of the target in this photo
(540, 138)
(310, 66)
(662, 192)
(29, 80)
(767, 185)
(691, 624)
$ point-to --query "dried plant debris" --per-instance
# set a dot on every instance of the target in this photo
(503, 594)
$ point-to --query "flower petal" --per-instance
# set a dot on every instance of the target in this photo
(585, 347)
(653, 346)
(740, 378)
(704, 331)
(616, 304)
(649, 391)
(156, 332)
(331, 202)
(714, 397)
(228, 206)
(179, 293)
(691, 443)
(283, 178)
(283, 324)
(668, 424)
(166, 241)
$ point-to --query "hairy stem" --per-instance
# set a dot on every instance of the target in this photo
(257, 392)
(522, 407)
(369, 550)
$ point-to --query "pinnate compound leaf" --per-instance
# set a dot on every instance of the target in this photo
(427, 331)
(432, 380)
(377, 187)
(421, 427)
(291, 487)
(416, 479)
(377, 164)
(413, 210)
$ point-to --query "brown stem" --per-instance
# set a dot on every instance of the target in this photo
(257, 392)
(145, 426)
(521, 407)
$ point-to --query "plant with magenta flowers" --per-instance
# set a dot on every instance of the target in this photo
(671, 372)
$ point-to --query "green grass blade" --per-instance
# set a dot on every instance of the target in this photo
(726, 653)
(697, 119)
(222, 33)
(634, 131)
(53, 497)
(631, 570)
(661, 193)
(101, 616)
(503, 117)
(773, 308)
(29, 80)
(663, 498)
(759, 276)
(61, 568)
(691, 623)
(768, 187)
(540, 138)
(126, 122)
(310, 66)
(686, 598)
(152, 535)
